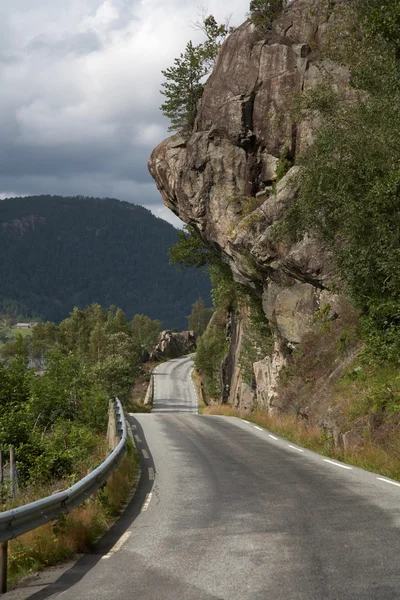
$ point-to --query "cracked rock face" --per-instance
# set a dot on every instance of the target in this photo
(220, 176)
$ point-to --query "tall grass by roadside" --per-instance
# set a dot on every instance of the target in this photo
(382, 459)
(76, 532)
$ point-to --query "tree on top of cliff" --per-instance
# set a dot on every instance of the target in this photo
(184, 83)
(264, 12)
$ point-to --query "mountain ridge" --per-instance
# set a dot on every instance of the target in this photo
(60, 252)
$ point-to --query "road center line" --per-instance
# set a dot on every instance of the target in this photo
(259, 428)
(273, 437)
(388, 481)
(294, 448)
(337, 464)
(147, 502)
(145, 453)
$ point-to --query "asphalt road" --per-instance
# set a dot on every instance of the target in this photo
(174, 389)
(226, 510)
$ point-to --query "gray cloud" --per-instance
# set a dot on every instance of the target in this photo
(80, 81)
(79, 44)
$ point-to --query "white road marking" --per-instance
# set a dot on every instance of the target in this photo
(337, 464)
(244, 421)
(259, 428)
(151, 473)
(388, 481)
(145, 453)
(294, 448)
(273, 437)
(137, 439)
(118, 545)
(147, 502)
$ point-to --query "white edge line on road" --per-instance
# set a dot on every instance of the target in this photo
(294, 448)
(147, 502)
(244, 421)
(259, 428)
(118, 545)
(337, 464)
(388, 481)
(145, 454)
(151, 473)
(273, 437)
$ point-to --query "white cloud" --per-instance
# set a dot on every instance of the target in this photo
(80, 81)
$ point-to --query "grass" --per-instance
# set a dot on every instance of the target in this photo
(11, 334)
(382, 459)
(76, 532)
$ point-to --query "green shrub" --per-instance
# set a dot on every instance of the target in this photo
(264, 12)
(212, 347)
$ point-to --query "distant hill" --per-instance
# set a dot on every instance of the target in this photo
(60, 252)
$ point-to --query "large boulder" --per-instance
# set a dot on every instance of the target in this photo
(171, 344)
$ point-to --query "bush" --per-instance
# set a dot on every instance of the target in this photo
(350, 183)
(212, 347)
(264, 12)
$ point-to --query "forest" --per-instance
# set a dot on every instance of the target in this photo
(55, 386)
(61, 252)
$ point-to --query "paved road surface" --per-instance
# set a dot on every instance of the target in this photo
(228, 511)
(174, 389)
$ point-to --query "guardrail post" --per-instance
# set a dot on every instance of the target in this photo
(3, 567)
(12, 472)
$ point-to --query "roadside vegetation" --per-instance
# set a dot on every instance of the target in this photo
(76, 532)
(385, 461)
(55, 416)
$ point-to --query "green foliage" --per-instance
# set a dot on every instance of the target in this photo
(184, 81)
(145, 331)
(224, 288)
(183, 88)
(212, 347)
(54, 418)
(350, 186)
(190, 250)
(264, 12)
(257, 338)
(199, 317)
(285, 163)
(76, 251)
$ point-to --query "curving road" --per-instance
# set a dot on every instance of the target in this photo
(226, 510)
(174, 389)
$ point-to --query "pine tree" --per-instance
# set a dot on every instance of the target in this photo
(184, 83)
(183, 88)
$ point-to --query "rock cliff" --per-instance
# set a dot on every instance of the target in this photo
(221, 177)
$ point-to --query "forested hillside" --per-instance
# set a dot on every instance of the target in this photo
(60, 252)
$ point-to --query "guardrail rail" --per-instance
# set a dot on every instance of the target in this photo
(17, 521)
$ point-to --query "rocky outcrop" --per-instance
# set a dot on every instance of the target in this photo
(171, 344)
(220, 177)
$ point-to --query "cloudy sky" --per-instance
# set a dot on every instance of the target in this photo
(79, 100)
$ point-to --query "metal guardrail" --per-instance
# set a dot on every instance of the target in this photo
(17, 521)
